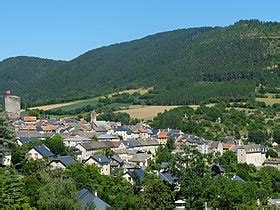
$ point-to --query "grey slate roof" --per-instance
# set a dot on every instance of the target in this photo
(25, 140)
(168, 177)
(140, 157)
(87, 198)
(131, 143)
(136, 171)
(106, 137)
(101, 159)
(65, 160)
(94, 145)
(43, 150)
(117, 158)
(123, 128)
(253, 148)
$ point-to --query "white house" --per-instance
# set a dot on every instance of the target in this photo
(61, 162)
(143, 145)
(101, 161)
(124, 132)
(88, 148)
(40, 152)
(140, 159)
(251, 154)
(133, 173)
(75, 140)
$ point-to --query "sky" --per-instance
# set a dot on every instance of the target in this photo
(64, 29)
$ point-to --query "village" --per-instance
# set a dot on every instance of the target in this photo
(129, 149)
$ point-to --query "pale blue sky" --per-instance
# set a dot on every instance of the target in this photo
(64, 29)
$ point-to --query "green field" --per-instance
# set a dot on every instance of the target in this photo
(91, 101)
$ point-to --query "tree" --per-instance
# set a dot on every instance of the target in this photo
(229, 161)
(58, 193)
(56, 145)
(269, 179)
(170, 144)
(156, 195)
(257, 136)
(223, 192)
(190, 166)
(271, 153)
(276, 135)
(162, 155)
(12, 190)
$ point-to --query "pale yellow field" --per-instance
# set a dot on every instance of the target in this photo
(146, 112)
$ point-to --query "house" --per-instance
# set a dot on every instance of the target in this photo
(215, 147)
(168, 178)
(48, 128)
(162, 137)
(108, 137)
(125, 154)
(28, 127)
(88, 200)
(5, 156)
(251, 154)
(132, 174)
(25, 140)
(228, 146)
(73, 141)
(274, 162)
(143, 133)
(40, 152)
(143, 145)
(101, 161)
(30, 119)
(124, 132)
(201, 144)
(116, 161)
(62, 162)
(99, 126)
(140, 159)
(88, 148)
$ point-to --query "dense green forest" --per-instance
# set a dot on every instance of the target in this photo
(184, 66)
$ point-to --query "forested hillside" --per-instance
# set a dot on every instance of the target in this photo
(184, 66)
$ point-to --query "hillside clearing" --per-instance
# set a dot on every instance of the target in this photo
(145, 112)
(91, 101)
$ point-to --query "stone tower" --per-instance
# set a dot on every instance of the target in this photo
(93, 116)
(12, 104)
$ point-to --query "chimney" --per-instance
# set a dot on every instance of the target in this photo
(95, 193)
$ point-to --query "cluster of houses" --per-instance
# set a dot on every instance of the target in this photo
(132, 147)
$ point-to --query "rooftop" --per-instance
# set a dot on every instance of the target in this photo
(43, 150)
(87, 198)
(65, 160)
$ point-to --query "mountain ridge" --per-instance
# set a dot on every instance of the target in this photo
(177, 61)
